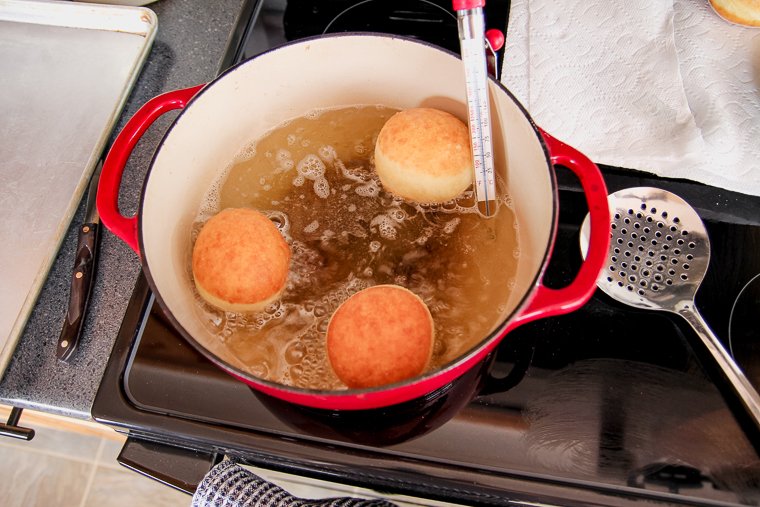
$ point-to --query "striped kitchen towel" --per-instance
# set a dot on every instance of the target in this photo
(230, 485)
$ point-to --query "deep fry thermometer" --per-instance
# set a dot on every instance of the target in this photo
(471, 25)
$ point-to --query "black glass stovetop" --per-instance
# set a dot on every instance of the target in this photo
(606, 405)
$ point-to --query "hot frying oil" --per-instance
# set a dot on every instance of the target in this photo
(314, 177)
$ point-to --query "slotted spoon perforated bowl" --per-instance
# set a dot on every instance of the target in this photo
(658, 256)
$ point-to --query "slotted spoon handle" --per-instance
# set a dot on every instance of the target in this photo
(741, 384)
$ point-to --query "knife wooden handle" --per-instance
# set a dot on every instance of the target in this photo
(81, 285)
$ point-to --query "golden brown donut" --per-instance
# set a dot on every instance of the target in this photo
(380, 335)
(424, 155)
(240, 261)
(743, 12)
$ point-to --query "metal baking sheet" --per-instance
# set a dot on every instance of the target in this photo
(66, 70)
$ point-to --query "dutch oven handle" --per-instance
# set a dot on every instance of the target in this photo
(113, 166)
(548, 302)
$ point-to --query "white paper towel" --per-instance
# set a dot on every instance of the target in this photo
(666, 87)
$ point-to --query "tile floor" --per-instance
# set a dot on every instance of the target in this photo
(66, 468)
(70, 465)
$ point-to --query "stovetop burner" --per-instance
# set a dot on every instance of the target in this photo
(603, 405)
(431, 21)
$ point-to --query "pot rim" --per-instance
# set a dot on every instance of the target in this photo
(474, 354)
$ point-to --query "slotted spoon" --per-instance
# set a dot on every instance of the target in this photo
(658, 256)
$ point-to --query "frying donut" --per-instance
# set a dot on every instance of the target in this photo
(380, 335)
(424, 155)
(240, 261)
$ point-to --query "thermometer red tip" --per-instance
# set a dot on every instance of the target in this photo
(463, 5)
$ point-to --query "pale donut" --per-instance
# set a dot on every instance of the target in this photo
(743, 12)
(380, 335)
(240, 261)
(424, 155)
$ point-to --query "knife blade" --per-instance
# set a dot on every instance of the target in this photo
(83, 275)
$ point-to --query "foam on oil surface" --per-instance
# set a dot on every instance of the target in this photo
(314, 178)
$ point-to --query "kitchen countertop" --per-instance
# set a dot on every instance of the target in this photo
(191, 39)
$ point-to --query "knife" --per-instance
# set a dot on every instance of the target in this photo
(84, 272)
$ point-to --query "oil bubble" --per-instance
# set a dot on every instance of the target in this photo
(449, 206)
(371, 189)
(358, 231)
(280, 220)
(398, 215)
(247, 153)
(285, 165)
(283, 154)
(311, 227)
(311, 167)
(296, 373)
(259, 369)
(385, 226)
(451, 225)
(327, 153)
(356, 174)
(295, 352)
(322, 187)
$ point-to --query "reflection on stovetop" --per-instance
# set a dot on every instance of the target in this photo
(608, 400)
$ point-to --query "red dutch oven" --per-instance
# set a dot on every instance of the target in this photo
(219, 119)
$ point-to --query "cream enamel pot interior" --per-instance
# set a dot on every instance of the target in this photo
(245, 102)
